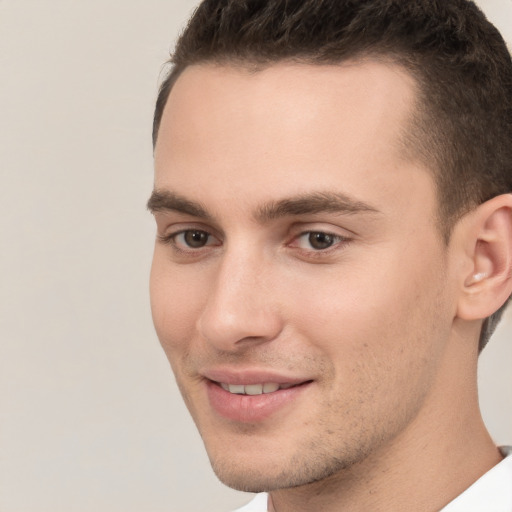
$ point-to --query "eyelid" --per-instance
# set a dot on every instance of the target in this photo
(338, 238)
(302, 228)
(168, 229)
(322, 225)
(172, 232)
(342, 238)
(176, 234)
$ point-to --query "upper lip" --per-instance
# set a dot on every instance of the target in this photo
(250, 376)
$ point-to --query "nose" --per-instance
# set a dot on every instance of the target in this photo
(241, 309)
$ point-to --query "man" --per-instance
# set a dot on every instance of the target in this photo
(334, 248)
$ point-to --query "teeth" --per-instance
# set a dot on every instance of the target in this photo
(270, 387)
(237, 389)
(253, 389)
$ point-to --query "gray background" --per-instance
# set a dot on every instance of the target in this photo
(90, 418)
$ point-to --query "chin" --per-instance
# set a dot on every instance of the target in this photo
(266, 473)
(247, 482)
(244, 472)
(250, 479)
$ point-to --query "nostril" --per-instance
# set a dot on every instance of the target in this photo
(237, 328)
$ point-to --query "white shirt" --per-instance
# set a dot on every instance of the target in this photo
(492, 492)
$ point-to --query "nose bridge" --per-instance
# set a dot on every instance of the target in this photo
(240, 304)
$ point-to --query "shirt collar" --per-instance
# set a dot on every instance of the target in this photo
(491, 492)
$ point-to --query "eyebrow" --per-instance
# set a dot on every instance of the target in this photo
(163, 200)
(313, 203)
(303, 204)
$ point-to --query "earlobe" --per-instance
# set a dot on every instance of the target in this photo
(488, 284)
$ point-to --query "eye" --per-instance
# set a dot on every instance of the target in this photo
(193, 239)
(318, 240)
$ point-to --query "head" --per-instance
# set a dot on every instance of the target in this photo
(458, 59)
(318, 169)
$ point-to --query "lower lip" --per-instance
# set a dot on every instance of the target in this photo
(251, 408)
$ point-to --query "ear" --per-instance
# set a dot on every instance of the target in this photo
(486, 281)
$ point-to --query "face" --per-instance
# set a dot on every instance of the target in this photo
(299, 282)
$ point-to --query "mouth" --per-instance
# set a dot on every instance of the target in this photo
(254, 400)
(255, 389)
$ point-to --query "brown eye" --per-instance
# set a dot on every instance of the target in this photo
(319, 240)
(195, 238)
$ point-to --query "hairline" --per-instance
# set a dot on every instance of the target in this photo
(412, 144)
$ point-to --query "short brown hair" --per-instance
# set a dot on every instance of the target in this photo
(462, 126)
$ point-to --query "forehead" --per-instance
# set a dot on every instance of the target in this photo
(230, 132)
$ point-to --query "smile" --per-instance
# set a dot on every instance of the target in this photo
(254, 389)
(252, 401)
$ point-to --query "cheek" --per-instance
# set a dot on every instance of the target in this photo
(380, 337)
(175, 304)
(382, 313)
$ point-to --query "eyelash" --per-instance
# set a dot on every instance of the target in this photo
(335, 241)
(170, 239)
(184, 248)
